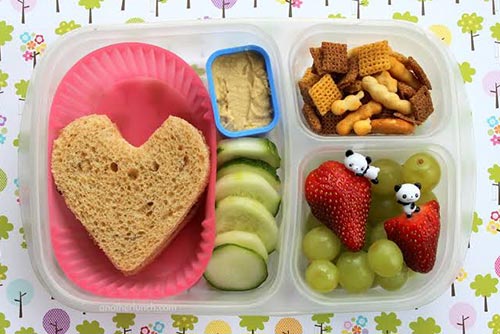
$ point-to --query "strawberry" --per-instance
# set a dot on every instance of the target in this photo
(341, 200)
(417, 236)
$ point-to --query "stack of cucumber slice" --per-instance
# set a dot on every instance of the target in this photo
(247, 201)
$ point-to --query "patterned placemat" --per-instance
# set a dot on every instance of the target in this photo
(470, 28)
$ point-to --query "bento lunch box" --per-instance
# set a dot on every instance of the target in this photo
(447, 135)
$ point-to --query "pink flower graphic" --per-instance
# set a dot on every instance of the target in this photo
(39, 39)
(495, 140)
(495, 215)
(3, 120)
(297, 3)
(28, 55)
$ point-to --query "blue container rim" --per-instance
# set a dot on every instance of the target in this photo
(272, 88)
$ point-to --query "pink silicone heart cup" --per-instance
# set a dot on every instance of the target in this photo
(138, 86)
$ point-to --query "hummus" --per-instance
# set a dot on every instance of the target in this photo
(242, 91)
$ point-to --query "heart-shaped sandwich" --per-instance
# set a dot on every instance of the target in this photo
(131, 200)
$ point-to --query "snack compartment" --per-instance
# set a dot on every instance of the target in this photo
(403, 40)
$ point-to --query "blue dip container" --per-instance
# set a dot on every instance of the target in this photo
(273, 93)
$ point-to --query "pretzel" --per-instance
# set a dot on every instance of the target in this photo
(349, 103)
(381, 94)
(385, 79)
(366, 111)
(400, 72)
(392, 126)
(363, 127)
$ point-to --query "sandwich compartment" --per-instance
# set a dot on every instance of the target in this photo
(446, 135)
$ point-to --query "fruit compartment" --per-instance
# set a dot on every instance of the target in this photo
(407, 41)
(194, 44)
(420, 288)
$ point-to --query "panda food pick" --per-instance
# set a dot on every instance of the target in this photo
(340, 195)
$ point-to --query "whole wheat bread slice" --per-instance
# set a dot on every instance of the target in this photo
(132, 200)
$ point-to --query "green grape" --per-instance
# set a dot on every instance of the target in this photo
(422, 168)
(395, 282)
(385, 258)
(354, 273)
(312, 222)
(321, 243)
(383, 208)
(322, 276)
(377, 232)
(426, 197)
(390, 174)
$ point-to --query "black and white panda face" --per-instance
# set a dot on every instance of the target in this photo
(355, 162)
(407, 192)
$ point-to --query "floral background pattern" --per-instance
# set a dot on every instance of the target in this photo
(471, 29)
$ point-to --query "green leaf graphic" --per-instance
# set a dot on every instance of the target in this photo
(4, 323)
(425, 326)
(387, 322)
(406, 16)
(89, 328)
(65, 27)
(5, 227)
(467, 71)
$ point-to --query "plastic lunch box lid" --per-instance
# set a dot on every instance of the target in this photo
(213, 95)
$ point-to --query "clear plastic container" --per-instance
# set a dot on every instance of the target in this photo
(447, 134)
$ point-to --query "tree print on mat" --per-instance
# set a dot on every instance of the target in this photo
(425, 326)
(484, 286)
(5, 35)
(224, 5)
(494, 173)
(291, 5)
(218, 327)
(5, 227)
(90, 5)
(23, 6)
(494, 324)
(3, 273)
(288, 326)
(4, 324)
(184, 322)
(157, 6)
(387, 323)
(471, 24)
(253, 323)
(493, 8)
(359, 4)
(26, 330)
(422, 6)
(33, 46)
(56, 321)
(124, 321)
(466, 71)
(491, 86)
(462, 316)
(322, 321)
(3, 83)
(89, 328)
(66, 26)
(20, 292)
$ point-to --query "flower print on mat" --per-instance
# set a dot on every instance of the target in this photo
(356, 326)
(33, 47)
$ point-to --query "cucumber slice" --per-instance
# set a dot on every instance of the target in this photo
(245, 214)
(242, 239)
(235, 268)
(247, 184)
(248, 147)
(250, 165)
